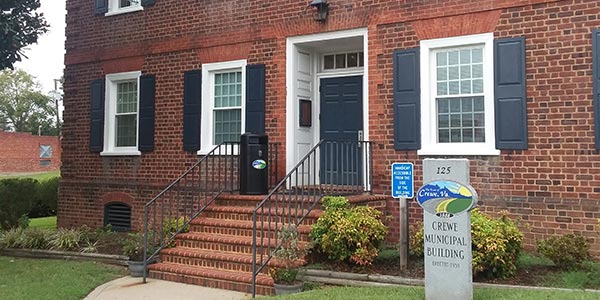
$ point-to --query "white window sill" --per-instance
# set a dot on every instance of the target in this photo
(463, 150)
(120, 153)
(124, 10)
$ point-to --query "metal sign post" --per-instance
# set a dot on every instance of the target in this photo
(403, 189)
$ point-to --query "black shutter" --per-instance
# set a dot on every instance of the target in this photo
(97, 115)
(596, 79)
(255, 99)
(407, 93)
(192, 100)
(100, 7)
(146, 3)
(510, 93)
(147, 97)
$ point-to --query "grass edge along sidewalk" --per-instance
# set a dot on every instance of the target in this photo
(46, 279)
(418, 293)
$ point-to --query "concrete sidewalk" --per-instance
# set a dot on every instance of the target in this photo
(129, 288)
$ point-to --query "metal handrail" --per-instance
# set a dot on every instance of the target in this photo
(194, 190)
(329, 168)
(200, 185)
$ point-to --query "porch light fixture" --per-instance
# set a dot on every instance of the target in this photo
(322, 9)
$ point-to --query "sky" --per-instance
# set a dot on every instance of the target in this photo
(46, 58)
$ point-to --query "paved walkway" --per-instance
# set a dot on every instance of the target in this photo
(129, 288)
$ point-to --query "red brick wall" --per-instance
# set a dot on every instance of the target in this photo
(20, 152)
(553, 187)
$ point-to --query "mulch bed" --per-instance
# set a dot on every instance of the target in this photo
(529, 276)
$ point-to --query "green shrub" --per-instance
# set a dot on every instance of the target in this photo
(415, 241)
(496, 244)
(46, 196)
(16, 200)
(567, 251)
(388, 257)
(344, 233)
(65, 239)
(10, 238)
(34, 238)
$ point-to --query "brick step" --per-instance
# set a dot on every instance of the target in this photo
(241, 228)
(213, 278)
(215, 260)
(239, 213)
(220, 242)
(254, 200)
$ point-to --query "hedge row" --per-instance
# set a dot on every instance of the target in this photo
(26, 196)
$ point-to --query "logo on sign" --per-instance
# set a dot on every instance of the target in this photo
(259, 164)
(446, 199)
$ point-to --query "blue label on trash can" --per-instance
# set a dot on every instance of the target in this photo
(259, 164)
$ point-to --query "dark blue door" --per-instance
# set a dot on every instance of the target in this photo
(341, 122)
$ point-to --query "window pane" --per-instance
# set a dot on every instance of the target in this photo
(453, 73)
(465, 57)
(340, 61)
(352, 60)
(458, 122)
(442, 58)
(124, 3)
(442, 88)
(453, 88)
(453, 58)
(477, 54)
(127, 97)
(228, 125)
(126, 135)
(361, 59)
(477, 71)
(228, 89)
(465, 87)
(442, 73)
(477, 86)
(328, 62)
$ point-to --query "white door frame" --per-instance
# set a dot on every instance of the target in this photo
(291, 113)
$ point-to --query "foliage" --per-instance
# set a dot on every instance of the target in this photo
(46, 198)
(15, 201)
(567, 251)
(34, 238)
(26, 196)
(20, 25)
(48, 279)
(133, 247)
(10, 238)
(289, 254)
(415, 241)
(170, 228)
(496, 244)
(344, 233)
(23, 106)
(388, 256)
(65, 239)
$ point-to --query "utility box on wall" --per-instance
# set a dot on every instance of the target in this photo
(254, 154)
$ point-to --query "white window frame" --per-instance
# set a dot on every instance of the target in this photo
(208, 79)
(113, 7)
(110, 110)
(348, 69)
(429, 143)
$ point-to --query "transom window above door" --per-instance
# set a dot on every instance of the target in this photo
(346, 60)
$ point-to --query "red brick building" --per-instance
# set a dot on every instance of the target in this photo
(24, 152)
(511, 85)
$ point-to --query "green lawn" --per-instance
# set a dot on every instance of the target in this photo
(43, 223)
(418, 293)
(37, 176)
(41, 279)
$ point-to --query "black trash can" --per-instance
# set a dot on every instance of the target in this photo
(254, 155)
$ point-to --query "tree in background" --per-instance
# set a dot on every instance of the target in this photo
(23, 106)
(20, 26)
